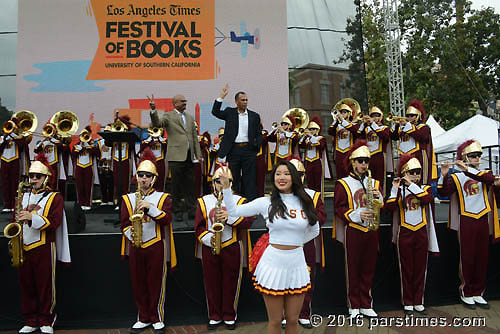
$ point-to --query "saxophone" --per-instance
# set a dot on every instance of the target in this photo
(14, 231)
(374, 204)
(218, 227)
(136, 220)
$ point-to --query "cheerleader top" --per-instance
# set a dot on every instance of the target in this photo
(293, 230)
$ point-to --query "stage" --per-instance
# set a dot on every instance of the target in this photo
(95, 291)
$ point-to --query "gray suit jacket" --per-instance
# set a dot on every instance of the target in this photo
(178, 137)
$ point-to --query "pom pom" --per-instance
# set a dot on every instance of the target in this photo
(258, 250)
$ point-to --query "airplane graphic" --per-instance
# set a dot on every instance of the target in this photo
(244, 38)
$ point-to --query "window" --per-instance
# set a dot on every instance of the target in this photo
(325, 96)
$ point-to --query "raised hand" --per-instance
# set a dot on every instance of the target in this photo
(224, 178)
(224, 91)
(152, 103)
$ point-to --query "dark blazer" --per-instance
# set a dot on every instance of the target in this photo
(230, 116)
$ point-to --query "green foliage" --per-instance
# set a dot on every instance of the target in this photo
(447, 64)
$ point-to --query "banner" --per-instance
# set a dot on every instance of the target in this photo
(98, 57)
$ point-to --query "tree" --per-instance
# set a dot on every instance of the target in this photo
(446, 63)
(5, 113)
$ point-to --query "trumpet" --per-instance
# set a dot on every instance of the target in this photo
(85, 136)
(396, 119)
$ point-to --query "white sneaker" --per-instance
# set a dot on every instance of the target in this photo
(353, 312)
(283, 323)
(110, 203)
(408, 308)
(158, 325)
(47, 330)
(141, 325)
(8, 210)
(215, 322)
(467, 300)
(27, 329)
(117, 208)
(369, 312)
(419, 308)
(479, 300)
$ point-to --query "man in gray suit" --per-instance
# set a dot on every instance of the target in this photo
(183, 150)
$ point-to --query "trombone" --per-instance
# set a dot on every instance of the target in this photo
(27, 123)
(396, 119)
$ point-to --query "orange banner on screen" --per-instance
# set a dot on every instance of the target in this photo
(151, 40)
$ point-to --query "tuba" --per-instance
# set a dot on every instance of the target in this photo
(27, 123)
(14, 231)
(352, 105)
(374, 204)
(66, 123)
(218, 227)
(155, 132)
(136, 220)
(301, 118)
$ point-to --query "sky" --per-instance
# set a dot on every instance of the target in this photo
(8, 22)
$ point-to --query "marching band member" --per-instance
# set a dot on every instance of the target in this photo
(378, 137)
(127, 163)
(413, 231)
(67, 163)
(158, 144)
(45, 238)
(285, 137)
(202, 175)
(147, 236)
(353, 226)
(14, 154)
(264, 163)
(473, 214)
(414, 137)
(52, 147)
(222, 273)
(313, 250)
(281, 275)
(215, 161)
(105, 171)
(85, 153)
(316, 162)
(344, 133)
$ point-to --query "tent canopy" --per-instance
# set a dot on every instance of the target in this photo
(436, 129)
(479, 127)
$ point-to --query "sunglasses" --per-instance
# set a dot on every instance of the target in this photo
(217, 181)
(35, 176)
(343, 111)
(283, 124)
(148, 175)
(362, 160)
(374, 115)
(474, 155)
(415, 171)
(412, 115)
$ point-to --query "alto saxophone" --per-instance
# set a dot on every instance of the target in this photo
(14, 231)
(218, 227)
(374, 204)
(136, 220)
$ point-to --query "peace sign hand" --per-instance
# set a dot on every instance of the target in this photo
(152, 103)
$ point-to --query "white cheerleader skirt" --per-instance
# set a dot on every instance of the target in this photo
(282, 272)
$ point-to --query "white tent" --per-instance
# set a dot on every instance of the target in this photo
(436, 129)
(480, 128)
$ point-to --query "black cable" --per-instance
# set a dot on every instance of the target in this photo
(317, 29)
(7, 75)
(7, 32)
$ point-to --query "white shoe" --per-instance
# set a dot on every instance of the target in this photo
(158, 325)
(304, 321)
(117, 208)
(353, 312)
(369, 312)
(8, 210)
(479, 300)
(419, 308)
(408, 308)
(47, 330)
(283, 323)
(141, 325)
(215, 322)
(467, 300)
(27, 329)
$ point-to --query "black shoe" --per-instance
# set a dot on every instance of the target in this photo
(408, 312)
(231, 327)
(212, 327)
(306, 325)
(483, 306)
(178, 217)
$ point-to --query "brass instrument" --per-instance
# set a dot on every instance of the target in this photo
(14, 231)
(301, 118)
(26, 120)
(66, 123)
(136, 220)
(374, 204)
(156, 132)
(217, 227)
(353, 105)
(118, 126)
(49, 130)
(9, 127)
(396, 119)
(85, 136)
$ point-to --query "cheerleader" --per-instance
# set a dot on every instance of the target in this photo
(281, 275)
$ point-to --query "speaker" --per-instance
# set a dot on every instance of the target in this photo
(75, 218)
